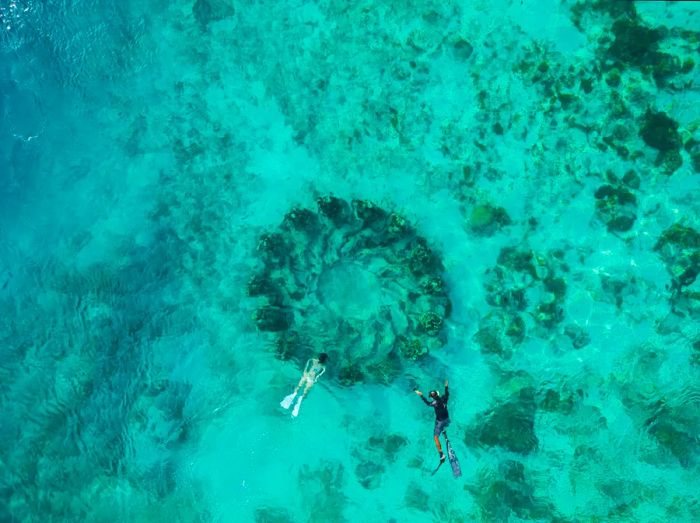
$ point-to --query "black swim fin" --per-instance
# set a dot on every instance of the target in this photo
(454, 463)
(439, 465)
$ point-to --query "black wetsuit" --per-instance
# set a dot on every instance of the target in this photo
(442, 418)
(440, 405)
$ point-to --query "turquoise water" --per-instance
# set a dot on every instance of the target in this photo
(197, 196)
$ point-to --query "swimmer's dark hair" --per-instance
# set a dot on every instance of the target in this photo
(322, 357)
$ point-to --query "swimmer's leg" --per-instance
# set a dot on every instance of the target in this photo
(439, 427)
(309, 384)
(287, 401)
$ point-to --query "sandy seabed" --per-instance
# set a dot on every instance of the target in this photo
(518, 213)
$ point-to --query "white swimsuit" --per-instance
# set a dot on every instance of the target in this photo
(314, 372)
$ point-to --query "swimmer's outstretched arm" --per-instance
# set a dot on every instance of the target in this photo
(428, 403)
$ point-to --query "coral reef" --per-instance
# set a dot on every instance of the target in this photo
(358, 275)
(272, 515)
(322, 491)
(379, 453)
(208, 11)
(486, 219)
(510, 424)
(679, 248)
(523, 284)
(507, 491)
(616, 204)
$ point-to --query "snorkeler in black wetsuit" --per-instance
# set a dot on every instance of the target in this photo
(442, 417)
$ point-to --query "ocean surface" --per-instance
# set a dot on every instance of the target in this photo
(197, 196)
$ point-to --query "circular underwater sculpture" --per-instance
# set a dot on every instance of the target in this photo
(352, 280)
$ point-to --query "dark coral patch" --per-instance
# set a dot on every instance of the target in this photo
(273, 319)
(660, 132)
(679, 247)
(335, 209)
(634, 44)
(208, 11)
(507, 492)
(679, 235)
(301, 219)
(579, 337)
(499, 333)
(487, 219)
(616, 206)
(510, 425)
(522, 282)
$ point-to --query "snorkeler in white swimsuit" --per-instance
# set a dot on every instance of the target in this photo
(314, 368)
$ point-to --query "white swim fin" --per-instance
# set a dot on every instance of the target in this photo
(287, 401)
(295, 412)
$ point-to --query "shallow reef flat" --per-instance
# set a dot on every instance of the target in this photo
(200, 195)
